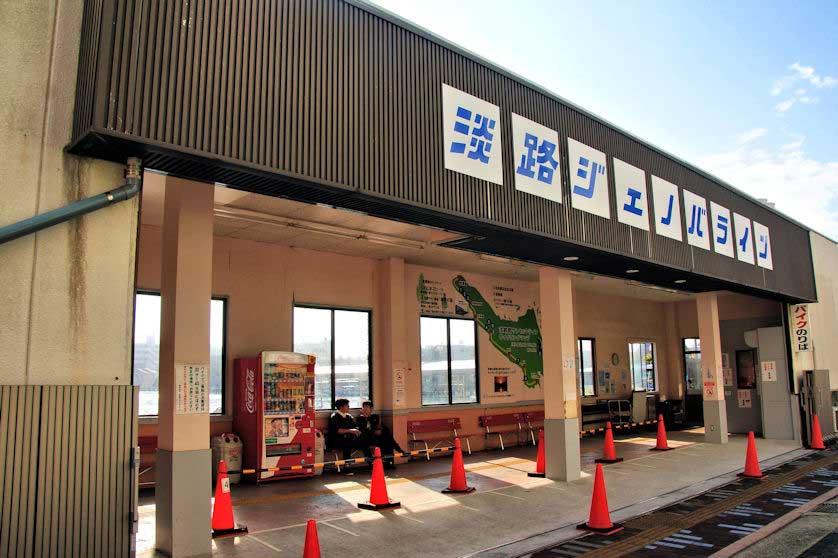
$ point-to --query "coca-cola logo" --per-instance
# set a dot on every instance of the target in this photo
(250, 391)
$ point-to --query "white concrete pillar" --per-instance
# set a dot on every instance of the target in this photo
(715, 414)
(183, 472)
(558, 340)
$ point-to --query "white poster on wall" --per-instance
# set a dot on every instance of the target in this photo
(191, 389)
(763, 242)
(588, 179)
(744, 238)
(722, 230)
(695, 219)
(667, 208)
(769, 371)
(471, 131)
(630, 187)
(743, 398)
(536, 151)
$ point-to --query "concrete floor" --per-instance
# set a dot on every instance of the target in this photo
(507, 506)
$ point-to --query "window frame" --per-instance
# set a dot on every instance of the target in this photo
(370, 355)
(448, 346)
(654, 353)
(582, 367)
(223, 298)
(685, 352)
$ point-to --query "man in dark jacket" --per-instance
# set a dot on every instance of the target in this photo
(343, 433)
(376, 434)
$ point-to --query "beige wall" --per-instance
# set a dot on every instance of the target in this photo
(824, 314)
(262, 281)
(67, 293)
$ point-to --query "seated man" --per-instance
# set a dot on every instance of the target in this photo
(375, 433)
(343, 433)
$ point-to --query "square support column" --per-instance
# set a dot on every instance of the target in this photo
(558, 341)
(715, 413)
(184, 486)
(390, 388)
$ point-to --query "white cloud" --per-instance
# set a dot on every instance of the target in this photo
(808, 73)
(805, 74)
(784, 105)
(801, 187)
(751, 135)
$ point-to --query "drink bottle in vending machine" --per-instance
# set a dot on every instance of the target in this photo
(274, 413)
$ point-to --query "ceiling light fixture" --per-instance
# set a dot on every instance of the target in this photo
(680, 281)
(570, 258)
(632, 271)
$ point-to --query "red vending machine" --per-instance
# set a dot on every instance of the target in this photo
(274, 413)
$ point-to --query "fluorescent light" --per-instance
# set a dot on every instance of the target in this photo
(570, 258)
(680, 281)
(632, 271)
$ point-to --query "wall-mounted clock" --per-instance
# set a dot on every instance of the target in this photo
(615, 359)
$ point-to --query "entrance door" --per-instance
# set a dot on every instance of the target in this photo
(693, 398)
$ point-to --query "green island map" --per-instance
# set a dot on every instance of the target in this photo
(519, 341)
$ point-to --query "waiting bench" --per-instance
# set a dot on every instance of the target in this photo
(449, 427)
(508, 423)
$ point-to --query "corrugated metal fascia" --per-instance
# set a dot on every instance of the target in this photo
(446, 43)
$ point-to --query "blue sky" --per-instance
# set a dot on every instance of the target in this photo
(746, 90)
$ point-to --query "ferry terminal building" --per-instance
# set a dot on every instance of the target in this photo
(323, 177)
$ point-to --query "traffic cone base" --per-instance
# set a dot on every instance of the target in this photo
(755, 477)
(661, 449)
(606, 461)
(615, 528)
(466, 490)
(371, 506)
(539, 475)
(235, 531)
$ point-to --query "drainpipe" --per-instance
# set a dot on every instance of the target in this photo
(133, 183)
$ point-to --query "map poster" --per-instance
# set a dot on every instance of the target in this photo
(506, 315)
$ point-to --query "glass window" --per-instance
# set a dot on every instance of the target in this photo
(340, 341)
(587, 367)
(147, 352)
(642, 357)
(449, 361)
(692, 365)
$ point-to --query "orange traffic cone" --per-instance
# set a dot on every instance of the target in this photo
(223, 523)
(662, 444)
(378, 489)
(599, 520)
(539, 461)
(609, 454)
(817, 437)
(752, 470)
(458, 472)
(312, 545)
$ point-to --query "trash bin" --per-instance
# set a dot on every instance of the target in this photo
(227, 447)
(319, 450)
